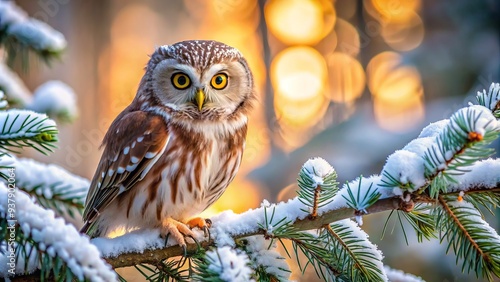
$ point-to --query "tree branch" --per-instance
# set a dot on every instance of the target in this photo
(307, 223)
(153, 256)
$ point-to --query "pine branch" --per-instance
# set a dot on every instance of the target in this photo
(153, 256)
(471, 238)
(22, 128)
(22, 35)
(61, 199)
(359, 258)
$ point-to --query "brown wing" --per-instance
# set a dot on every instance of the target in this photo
(132, 145)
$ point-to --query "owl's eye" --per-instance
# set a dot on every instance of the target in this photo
(181, 81)
(219, 81)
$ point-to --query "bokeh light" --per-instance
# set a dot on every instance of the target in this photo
(300, 21)
(404, 34)
(127, 29)
(397, 92)
(393, 9)
(346, 78)
(299, 75)
(347, 38)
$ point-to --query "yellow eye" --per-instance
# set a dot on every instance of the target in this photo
(219, 81)
(181, 81)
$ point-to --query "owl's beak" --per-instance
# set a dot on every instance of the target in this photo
(200, 98)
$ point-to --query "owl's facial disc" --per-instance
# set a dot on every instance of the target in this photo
(215, 90)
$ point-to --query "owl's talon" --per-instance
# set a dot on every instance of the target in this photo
(202, 223)
(177, 229)
(208, 221)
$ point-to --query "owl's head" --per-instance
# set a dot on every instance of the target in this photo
(200, 79)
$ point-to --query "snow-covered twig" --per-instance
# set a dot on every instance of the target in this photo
(56, 99)
(51, 185)
(29, 31)
(56, 237)
(132, 252)
(13, 86)
(23, 128)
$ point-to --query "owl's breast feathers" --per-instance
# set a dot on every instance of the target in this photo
(174, 167)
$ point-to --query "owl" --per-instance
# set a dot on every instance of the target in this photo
(174, 150)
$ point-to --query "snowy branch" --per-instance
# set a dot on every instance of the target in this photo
(154, 256)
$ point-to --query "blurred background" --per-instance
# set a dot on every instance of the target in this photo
(350, 81)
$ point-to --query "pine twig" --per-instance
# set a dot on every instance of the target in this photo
(153, 256)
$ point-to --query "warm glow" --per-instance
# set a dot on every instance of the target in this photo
(240, 196)
(300, 114)
(397, 92)
(346, 78)
(399, 114)
(257, 146)
(347, 38)
(300, 21)
(216, 12)
(379, 66)
(299, 73)
(242, 36)
(404, 34)
(391, 9)
(123, 61)
(116, 233)
(287, 193)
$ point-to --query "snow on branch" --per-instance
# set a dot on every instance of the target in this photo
(23, 31)
(13, 86)
(56, 99)
(52, 186)
(491, 100)
(23, 128)
(396, 275)
(58, 240)
(147, 247)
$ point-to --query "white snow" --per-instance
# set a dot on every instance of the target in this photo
(49, 177)
(492, 97)
(434, 128)
(365, 246)
(58, 238)
(10, 13)
(135, 241)
(54, 98)
(396, 275)
(420, 145)
(3, 102)
(224, 226)
(407, 167)
(263, 255)
(482, 121)
(38, 35)
(230, 264)
(23, 124)
(484, 174)
(12, 85)
(317, 169)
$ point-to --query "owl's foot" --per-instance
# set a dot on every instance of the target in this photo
(178, 230)
(202, 223)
